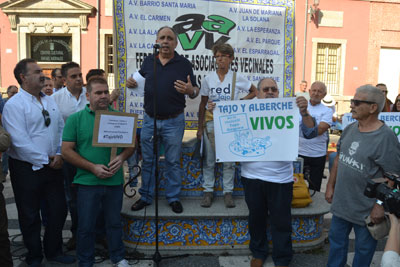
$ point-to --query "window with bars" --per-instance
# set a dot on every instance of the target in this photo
(109, 66)
(329, 66)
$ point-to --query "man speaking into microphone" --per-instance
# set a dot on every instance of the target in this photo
(175, 79)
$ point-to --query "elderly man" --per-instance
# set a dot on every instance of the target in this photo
(35, 163)
(303, 90)
(175, 79)
(313, 150)
(268, 188)
(367, 148)
(58, 79)
(99, 179)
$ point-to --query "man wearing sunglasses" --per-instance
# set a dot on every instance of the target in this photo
(35, 125)
(268, 189)
(367, 148)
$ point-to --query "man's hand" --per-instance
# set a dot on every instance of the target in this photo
(377, 214)
(184, 88)
(211, 106)
(302, 103)
(329, 193)
(56, 162)
(101, 171)
(131, 83)
(115, 164)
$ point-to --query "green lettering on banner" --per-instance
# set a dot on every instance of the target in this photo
(269, 122)
(282, 122)
(290, 122)
(396, 130)
(190, 44)
(219, 24)
(254, 124)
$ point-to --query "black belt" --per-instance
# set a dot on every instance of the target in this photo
(166, 117)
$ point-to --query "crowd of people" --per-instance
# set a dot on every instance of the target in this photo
(48, 131)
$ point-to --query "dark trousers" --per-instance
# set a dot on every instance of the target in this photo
(269, 202)
(69, 172)
(29, 188)
(317, 166)
(92, 199)
(5, 255)
(71, 193)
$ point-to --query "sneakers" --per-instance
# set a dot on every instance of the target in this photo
(229, 203)
(207, 199)
(122, 263)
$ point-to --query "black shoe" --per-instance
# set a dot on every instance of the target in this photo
(102, 241)
(176, 206)
(138, 205)
(71, 244)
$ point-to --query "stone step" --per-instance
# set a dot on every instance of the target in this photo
(214, 230)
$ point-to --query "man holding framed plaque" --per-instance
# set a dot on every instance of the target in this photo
(98, 178)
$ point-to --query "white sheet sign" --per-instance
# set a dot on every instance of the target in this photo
(391, 119)
(116, 129)
(257, 130)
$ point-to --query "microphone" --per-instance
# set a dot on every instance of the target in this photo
(156, 46)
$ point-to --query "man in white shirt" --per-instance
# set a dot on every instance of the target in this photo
(35, 125)
(313, 151)
(71, 99)
(268, 189)
(58, 79)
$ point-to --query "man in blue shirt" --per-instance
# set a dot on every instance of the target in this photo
(175, 79)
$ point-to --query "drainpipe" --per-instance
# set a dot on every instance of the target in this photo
(98, 35)
(305, 40)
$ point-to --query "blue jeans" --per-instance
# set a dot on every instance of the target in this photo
(339, 232)
(271, 202)
(170, 134)
(228, 177)
(91, 199)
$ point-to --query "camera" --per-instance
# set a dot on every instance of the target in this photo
(390, 197)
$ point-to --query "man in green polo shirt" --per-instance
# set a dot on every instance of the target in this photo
(99, 180)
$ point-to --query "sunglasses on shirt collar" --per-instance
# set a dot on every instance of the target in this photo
(46, 117)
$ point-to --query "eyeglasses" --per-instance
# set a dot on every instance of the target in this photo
(46, 117)
(272, 89)
(221, 56)
(357, 102)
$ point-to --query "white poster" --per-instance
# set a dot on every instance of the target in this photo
(116, 129)
(257, 130)
(391, 119)
(261, 33)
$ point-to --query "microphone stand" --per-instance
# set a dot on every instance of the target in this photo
(157, 256)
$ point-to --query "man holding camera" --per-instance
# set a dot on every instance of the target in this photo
(366, 149)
